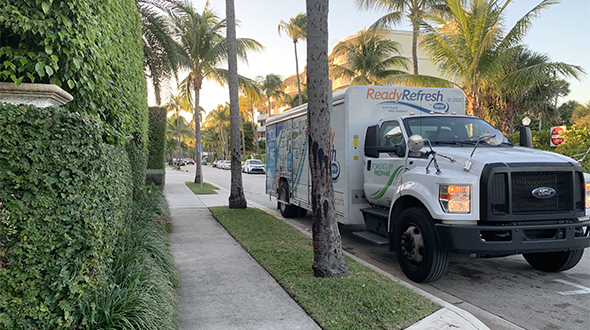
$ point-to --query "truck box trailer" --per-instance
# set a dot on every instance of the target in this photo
(428, 180)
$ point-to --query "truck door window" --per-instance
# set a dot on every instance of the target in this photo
(390, 134)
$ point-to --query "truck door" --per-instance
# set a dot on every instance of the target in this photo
(382, 172)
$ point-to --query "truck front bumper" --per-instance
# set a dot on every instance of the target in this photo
(493, 240)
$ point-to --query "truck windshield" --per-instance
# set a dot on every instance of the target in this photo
(449, 129)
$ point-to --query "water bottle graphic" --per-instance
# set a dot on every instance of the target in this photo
(335, 166)
(290, 166)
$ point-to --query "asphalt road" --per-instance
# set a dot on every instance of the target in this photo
(504, 293)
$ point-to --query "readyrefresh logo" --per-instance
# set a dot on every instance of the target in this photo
(404, 95)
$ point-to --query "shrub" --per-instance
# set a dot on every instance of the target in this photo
(140, 293)
(577, 141)
(92, 49)
(64, 198)
(157, 138)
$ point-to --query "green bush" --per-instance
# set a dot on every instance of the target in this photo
(64, 199)
(157, 138)
(577, 141)
(92, 49)
(140, 293)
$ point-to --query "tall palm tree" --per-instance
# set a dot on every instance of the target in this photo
(296, 29)
(237, 200)
(328, 259)
(368, 59)
(220, 121)
(469, 42)
(177, 104)
(272, 86)
(248, 103)
(158, 46)
(204, 50)
(414, 10)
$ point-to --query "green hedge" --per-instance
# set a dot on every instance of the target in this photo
(577, 140)
(64, 198)
(92, 49)
(157, 138)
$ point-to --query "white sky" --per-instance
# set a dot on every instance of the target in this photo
(562, 32)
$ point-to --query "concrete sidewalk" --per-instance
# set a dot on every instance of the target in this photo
(224, 288)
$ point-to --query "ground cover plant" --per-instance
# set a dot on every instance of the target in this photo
(140, 292)
(363, 300)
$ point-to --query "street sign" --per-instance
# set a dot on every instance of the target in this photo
(556, 137)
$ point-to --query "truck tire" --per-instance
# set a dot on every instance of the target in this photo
(287, 210)
(554, 261)
(417, 246)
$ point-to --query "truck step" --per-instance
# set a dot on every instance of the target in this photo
(376, 211)
(371, 237)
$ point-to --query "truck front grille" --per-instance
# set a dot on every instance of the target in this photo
(506, 192)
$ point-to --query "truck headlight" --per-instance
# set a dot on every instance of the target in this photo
(455, 198)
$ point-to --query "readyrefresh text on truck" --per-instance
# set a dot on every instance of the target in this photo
(428, 180)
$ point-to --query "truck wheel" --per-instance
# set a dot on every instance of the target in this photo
(287, 211)
(417, 247)
(554, 261)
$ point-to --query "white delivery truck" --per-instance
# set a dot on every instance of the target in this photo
(428, 180)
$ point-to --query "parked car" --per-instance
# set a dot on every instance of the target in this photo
(253, 166)
(178, 162)
(226, 165)
(190, 161)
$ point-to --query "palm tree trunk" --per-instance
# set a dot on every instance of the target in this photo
(297, 71)
(255, 136)
(328, 258)
(197, 119)
(237, 200)
(243, 137)
(178, 138)
(415, 31)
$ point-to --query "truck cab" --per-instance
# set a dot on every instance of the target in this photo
(466, 188)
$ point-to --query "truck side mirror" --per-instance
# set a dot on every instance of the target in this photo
(526, 138)
(371, 138)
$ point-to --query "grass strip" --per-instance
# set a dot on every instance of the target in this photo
(363, 300)
(206, 189)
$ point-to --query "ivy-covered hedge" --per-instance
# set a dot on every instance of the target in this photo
(157, 140)
(92, 49)
(63, 202)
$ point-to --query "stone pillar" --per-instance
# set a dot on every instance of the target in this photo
(40, 95)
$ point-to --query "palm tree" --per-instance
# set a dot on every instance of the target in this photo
(177, 104)
(506, 104)
(237, 200)
(272, 86)
(470, 44)
(204, 49)
(220, 121)
(414, 10)
(247, 104)
(296, 29)
(158, 46)
(368, 59)
(328, 260)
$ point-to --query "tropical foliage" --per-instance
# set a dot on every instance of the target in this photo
(203, 45)
(414, 10)
(368, 59)
(271, 85)
(296, 29)
(469, 42)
